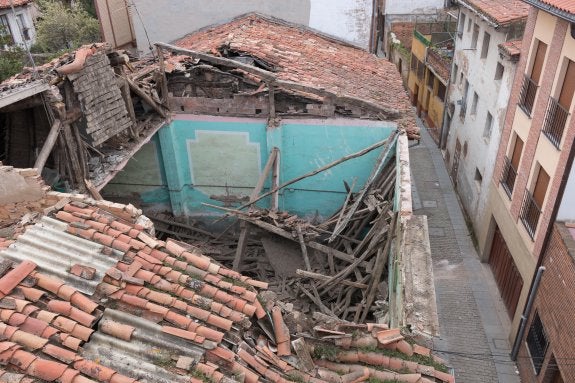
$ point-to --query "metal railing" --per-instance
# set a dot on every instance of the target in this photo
(508, 177)
(530, 212)
(555, 120)
(527, 95)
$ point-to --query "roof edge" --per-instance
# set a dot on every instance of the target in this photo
(552, 10)
(278, 21)
(486, 17)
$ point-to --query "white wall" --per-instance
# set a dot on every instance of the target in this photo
(493, 97)
(567, 208)
(407, 7)
(28, 23)
(167, 21)
(349, 20)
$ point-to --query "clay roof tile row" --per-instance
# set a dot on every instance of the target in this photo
(501, 13)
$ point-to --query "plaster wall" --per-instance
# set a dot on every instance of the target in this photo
(168, 21)
(17, 35)
(348, 20)
(477, 163)
(218, 160)
(410, 7)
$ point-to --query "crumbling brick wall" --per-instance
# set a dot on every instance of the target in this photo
(101, 99)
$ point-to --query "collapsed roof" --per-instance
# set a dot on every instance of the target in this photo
(87, 293)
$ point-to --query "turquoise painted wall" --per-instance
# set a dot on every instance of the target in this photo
(142, 181)
(206, 156)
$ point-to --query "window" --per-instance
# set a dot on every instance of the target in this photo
(511, 166)
(475, 36)
(430, 80)
(488, 126)
(461, 77)
(413, 63)
(531, 82)
(533, 202)
(537, 343)
(441, 91)
(463, 102)
(454, 76)
(25, 31)
(474, 103)
(478, 177)
(461, 25)
(468, 24)
(558, 108)
(499, 71)
(485, 46)
(5, 32)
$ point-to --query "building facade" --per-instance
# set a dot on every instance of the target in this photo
(16, 26)
(486, 52)
(535, 149)
(430, 65)
(125, 23)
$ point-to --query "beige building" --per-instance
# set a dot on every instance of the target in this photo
(535, 154)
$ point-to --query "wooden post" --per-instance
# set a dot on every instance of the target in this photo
(275, 183)
(164, 82)
(271, 91)
(48, 145)
(303, 247)
(245, 226)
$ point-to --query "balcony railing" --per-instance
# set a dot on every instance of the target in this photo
(555, 120)
(508, 177)
(530, 212)
(527, 95)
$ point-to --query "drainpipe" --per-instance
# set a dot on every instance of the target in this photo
(526, 311)
(546, 240)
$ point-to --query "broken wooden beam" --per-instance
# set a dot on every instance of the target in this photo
(149, 100)
(48, 145)
(321, 277)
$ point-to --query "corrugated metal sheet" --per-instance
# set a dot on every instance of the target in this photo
(55, 252)
(145, 355)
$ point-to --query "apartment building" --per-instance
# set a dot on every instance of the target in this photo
(487, 49)
(534, 158)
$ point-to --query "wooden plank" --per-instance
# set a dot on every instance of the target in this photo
(48, 145)
(321, 277)
(323, 168)
(303, 247)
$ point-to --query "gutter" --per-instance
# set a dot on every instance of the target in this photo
(552, 10)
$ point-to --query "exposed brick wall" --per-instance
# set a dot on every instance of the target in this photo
(555, 303)
(514, 96)
(552, 64)
(101, 99)
(403, 32)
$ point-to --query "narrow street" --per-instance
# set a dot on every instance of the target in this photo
(473, 321)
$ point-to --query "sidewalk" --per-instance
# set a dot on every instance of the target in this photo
(473, 322)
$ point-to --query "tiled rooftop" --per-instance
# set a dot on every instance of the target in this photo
(562, 5)
(500, 12)
(511, 48)
(88, 294)
(299, 54)
(17, 3)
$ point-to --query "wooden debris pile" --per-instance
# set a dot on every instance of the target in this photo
(344, 258)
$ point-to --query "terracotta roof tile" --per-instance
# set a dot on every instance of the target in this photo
(500, 12)
(511, 48)
(17, 3)
(303, 56)
(562, 5)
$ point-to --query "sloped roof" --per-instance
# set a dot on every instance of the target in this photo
(511, 48)
(562, 5)
(17, 3)
(115, 304)
(499, 12)
(299, 54)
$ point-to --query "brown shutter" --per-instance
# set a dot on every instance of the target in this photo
(517, 149)
(541, 187)
(538, 62)
(568, 88)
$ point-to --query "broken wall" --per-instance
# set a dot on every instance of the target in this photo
(218, 160)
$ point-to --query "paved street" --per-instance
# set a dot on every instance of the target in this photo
(473, 321)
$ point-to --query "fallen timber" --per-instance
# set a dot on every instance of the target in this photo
(351, 285)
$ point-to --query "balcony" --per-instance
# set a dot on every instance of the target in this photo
(555, 121)
(527, 95)
(530, 212)
(508, 177)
